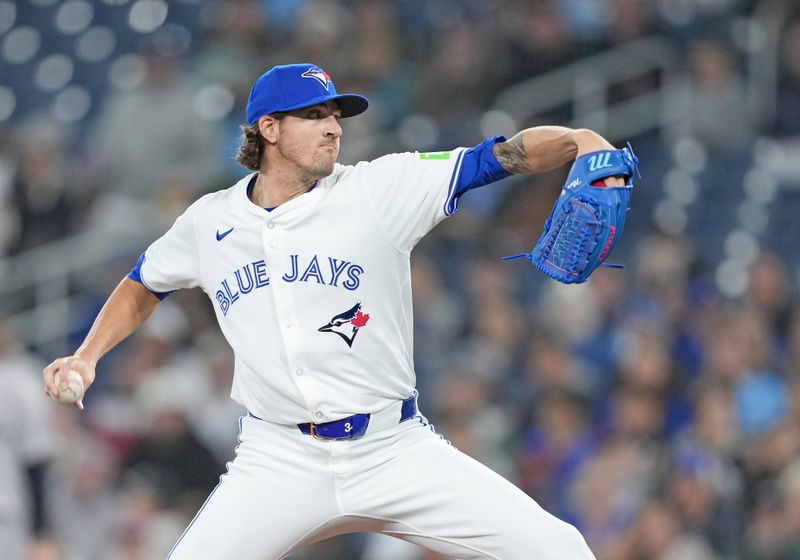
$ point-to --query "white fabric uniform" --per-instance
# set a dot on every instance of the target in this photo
(315, 299)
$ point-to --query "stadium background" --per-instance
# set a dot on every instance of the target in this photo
(657, 408)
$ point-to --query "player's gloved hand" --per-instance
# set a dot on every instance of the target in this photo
(63, 365)
(587, 219)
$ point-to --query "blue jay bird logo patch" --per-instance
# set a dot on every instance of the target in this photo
(318, 74)
(347, 324)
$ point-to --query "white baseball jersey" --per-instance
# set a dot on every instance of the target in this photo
(315, 296)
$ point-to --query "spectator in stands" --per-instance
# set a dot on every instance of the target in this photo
(717, 92)
(9, 218)
(43, 194)
(26, 448)
(610, 490)
(155, 135)
(659, 535)
(706, 482)
(83, 494)
(438, 320)
(554, 447)
(786, 115)
(769, 292)
(455, 84)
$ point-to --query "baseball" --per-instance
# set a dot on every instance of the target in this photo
(74, 390)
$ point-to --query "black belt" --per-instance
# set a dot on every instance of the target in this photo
(355, 426)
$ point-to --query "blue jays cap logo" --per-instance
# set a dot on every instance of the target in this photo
(318, 74)
(347, 324)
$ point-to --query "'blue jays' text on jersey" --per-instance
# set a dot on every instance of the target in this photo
(314, 297)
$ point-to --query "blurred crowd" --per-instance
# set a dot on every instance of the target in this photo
(655, 412)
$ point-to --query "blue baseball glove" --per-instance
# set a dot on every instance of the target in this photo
(587, 218)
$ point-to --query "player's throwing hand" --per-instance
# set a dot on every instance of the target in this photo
(59, 370)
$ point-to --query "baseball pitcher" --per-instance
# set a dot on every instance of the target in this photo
(306, 263)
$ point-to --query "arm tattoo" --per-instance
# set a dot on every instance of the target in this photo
(512, 156)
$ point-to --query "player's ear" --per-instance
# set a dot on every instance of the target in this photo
(269, 129)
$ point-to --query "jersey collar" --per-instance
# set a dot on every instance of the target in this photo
(245, 186)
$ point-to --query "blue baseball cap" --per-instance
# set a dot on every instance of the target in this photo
(294, 86)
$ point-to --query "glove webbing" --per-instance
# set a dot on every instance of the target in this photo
(577, 250)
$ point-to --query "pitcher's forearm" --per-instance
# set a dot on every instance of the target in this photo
(543, 148)
(128, 306)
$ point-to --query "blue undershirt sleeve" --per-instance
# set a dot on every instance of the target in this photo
(480, 167)
(136, 275)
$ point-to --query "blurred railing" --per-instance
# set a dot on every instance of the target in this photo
(40, 288)
(583, 89)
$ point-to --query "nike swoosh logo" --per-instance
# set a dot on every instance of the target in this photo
(221, 236)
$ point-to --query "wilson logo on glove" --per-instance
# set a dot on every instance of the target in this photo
(600, 160)
(587, 218)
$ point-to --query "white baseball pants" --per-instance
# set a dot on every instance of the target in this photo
(286, 490)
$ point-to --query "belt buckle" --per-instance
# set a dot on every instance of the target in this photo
(312, 428)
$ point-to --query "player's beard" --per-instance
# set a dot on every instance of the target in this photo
(326, 158)
(313, 164)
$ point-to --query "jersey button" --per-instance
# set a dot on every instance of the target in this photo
(272, 244)
(318, 415)
(299, 371)
(271, 225)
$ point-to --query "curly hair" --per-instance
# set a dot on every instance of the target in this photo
(251, 148)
